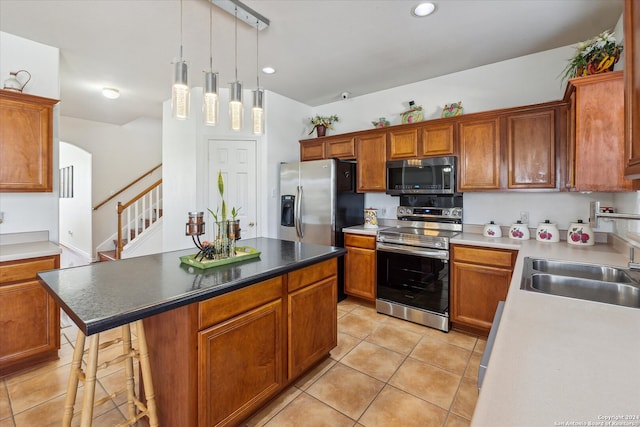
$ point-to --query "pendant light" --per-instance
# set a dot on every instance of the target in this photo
(180, 93)
(258, 94)
(236, 112)
(210, 99)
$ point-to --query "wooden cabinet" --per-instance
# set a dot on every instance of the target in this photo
(240, 364)
(632, 86)
(480, 278)
(531, 149)
(371, 149)
(335, 147)
(26, 142)
(597, 159)
(402, 143)
(360, 266)
(479, 154)
(29, 317)
(437, 140)
(312, 150)
(313, 315)
(218, 361)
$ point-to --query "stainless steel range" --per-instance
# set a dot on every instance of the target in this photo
(413, 260)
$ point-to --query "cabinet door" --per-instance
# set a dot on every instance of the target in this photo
(632, 86)
(240, 365)
(29, 325)
(340, 148)
(312, 324)
(311, 150)
(599, 133)
(26, 143)
(437, 140)
(475, 293)
(360, 266)
(403, 144)
(371, 155)
(531, 148)
(479, 160)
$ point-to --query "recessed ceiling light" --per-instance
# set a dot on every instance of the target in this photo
(423, 9)
(111, 93)
(268, 70)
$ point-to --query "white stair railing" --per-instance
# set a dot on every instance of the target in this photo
(139, 214)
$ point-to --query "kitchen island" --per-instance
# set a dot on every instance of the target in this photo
(223, 340)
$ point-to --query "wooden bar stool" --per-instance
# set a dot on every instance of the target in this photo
(135, 407)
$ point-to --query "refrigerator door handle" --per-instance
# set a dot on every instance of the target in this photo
(298, 213)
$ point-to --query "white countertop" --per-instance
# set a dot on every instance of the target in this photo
(16, 246)
(560, 361)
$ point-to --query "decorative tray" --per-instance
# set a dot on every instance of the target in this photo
(242, 253)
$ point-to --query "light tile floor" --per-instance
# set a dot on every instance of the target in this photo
(384, 372)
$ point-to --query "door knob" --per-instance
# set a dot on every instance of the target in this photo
(251, 224)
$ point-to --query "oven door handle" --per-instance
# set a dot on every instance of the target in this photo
(421, 252)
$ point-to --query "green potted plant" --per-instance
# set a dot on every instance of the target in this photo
(322, 123)
(594, 56)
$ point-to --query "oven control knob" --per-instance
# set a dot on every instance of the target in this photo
(437, 244)
(409, 211)
(447, 212)
(456, 212)
(401, 210)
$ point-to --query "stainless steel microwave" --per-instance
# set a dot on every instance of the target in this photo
(429, 175)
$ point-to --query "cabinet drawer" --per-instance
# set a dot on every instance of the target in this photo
(26, 269)
(496, 257)
(360, 241)
(226, 306)
(306, 276)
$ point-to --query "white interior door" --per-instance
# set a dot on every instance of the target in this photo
(237, 162)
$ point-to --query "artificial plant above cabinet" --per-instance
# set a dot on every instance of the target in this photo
(596, 160)
(26, 142)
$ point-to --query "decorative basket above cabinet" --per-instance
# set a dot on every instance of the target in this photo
(26, 142)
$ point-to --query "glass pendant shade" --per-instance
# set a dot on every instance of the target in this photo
(235, 105)
(258, 112)
(180, 93)
(210, 101)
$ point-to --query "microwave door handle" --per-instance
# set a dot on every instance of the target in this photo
(298, 209)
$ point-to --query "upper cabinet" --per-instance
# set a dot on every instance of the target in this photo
(403, 143)
(437, 139)
(479, 156)
(531, 149)
(632, 86)
(372, 162)
(26, 142)
(596, 145)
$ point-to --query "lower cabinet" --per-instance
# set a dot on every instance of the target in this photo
(29, 317)
(216, 362)
(360, 266)
(480, 278)
(240, 364)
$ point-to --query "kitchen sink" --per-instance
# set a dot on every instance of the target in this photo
(584, 271)
(599, 283)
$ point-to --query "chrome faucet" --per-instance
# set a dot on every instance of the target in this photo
(633, 265)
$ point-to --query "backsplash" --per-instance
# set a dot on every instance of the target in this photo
(505, 208)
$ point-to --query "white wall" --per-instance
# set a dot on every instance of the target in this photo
(32, 211)
(120, 154)
(521, 81)
(75, 212)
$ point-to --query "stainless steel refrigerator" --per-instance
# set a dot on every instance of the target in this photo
(317, 199)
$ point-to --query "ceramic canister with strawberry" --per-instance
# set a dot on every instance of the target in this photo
(519, 231)
(580, 234)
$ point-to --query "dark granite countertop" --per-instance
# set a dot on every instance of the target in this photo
(105, 295)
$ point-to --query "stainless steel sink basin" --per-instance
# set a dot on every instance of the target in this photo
(584, 271)
(599, 283)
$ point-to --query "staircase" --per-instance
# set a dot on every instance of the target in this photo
(134, 218)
